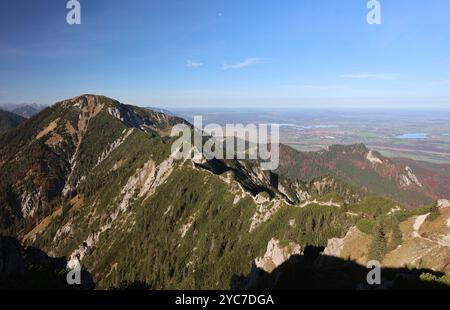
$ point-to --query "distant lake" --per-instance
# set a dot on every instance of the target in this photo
(413, 136)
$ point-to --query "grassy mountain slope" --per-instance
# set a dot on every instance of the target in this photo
(411, 183)
(92, 180)
(9, 120)
(42, 160)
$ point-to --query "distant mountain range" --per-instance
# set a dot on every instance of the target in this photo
(90, 180)
(26, 110)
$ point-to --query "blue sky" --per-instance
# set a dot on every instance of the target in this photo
(305, 53)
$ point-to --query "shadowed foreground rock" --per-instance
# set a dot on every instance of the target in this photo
(30, 268)
(313, 271)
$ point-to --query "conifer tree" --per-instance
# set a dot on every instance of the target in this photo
(434, 213)
(377, 249)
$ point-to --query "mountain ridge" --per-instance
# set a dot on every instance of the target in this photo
(360, 166)
(92, 180)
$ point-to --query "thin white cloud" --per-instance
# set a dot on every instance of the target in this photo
(193, 64)
(367, 75)
(246, 63)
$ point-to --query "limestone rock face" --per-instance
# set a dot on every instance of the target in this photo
(335, 245)
(276, 254)
(443, 203)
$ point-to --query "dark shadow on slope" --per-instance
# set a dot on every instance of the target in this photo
(30, 268)
(215, 166)
(219, 167)
(313, 271)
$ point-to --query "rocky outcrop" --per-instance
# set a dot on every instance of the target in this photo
(276, 254)
(443, 203)
(353, 246)
(336, 245)
(265, 210)
(409, 178)
(373, 158)
(126, 133)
